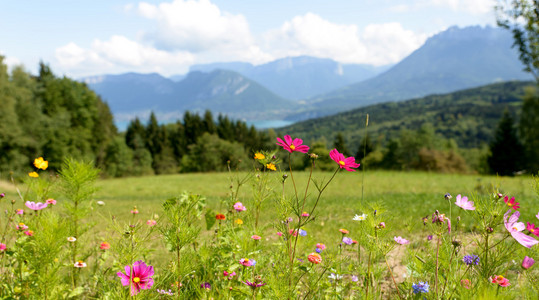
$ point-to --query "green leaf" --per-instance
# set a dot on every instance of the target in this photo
(76, 292)
(210, 219)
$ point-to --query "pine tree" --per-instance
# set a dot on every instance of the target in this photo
(365, 147)
(506, 150)
(529, 130)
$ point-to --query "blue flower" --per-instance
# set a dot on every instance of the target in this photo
(471, 259)
(302, 232)
(420, 287)
(318, 250)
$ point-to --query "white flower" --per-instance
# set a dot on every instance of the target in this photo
(334, 276)
(80, 264)
(360, 218)
(100, 203)
(72, 239)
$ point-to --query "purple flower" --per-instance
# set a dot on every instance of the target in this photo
(463, 203)
(401, 241)
(318, 250)
(471, 259)
(420, 287)
(429, 237)
(515, 229)
(205, 285)
(347, 240)
(354, 278)
(138, 277)
(527, 262)
(254, 285)
(35, 206)
(302, 232)
(2, 195)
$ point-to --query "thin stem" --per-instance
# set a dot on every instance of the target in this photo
(437, 264)
(446, 279)
(364, 154)
(392, 277)
(460, 279)
(368, 276)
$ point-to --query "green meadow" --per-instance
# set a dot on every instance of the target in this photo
(406, 195)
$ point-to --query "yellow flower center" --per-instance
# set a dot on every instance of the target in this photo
(292, 147)
(532, 230)
(341, 163)
(509, 204)
(136, 280)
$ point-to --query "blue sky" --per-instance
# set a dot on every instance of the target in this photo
(83, 38)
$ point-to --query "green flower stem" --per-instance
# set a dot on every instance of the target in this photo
(392, 277)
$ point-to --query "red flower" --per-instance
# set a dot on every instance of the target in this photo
(344, 163)
(292, 145)
(315, 258)
(104, 246)
(511, 203)
(220, 217)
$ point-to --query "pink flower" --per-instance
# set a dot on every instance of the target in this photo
(320, 246)
(305, 214)
(19, 211)
(256, 237)
(2, 247)
(238, 206)
(344, 163)
(134, 211)
(51, 201)
(465, 283)
(29, 233)
(500, 280)
(247, 262)
(463, 203)
(151, 222)
(401, 241)
(537, 216)
(138, 277)
(511, 203)
(292, 145)
(21, 226)
(254, 285)
(531, 228)
(527, 262)
(104, 246)
(279, 233)
(35, 206)
(515, 229)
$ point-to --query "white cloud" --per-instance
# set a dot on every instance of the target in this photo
(195, 26)
(312, 35)
(121, 54)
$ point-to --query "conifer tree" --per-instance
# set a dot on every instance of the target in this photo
(506, 149)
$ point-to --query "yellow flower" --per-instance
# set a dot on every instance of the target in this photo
(40, 163)
(271, 166)
(238, 221)
(33, 174)
(259, 155)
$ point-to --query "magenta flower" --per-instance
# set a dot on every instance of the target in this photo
(35, 206)
(51, 201)
(256, 237)
(19, 211)
(511, 202)
(254, 285)
(527, 262)
(344, 163)
(401, 241)
(247, 262)
(2, 247)
(514, 227)
(238, 206)
(138, 277)
(531, 228)
(463, 203)
(292, 145)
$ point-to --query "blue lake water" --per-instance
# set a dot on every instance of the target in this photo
(262, 124)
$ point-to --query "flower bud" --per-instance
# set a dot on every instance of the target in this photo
(489, 229)
(2, 195)
(13, 201)
(448, 196)
(313, 156)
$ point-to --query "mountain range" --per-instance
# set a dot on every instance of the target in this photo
(299, 88)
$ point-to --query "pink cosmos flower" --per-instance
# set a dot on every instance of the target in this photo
(279, 233)
(135, 211)
(320, 246)
(511, 203)
(401, 241)
(29, 233)
(138, 277)
(463, 203)
(104, 246)
(537, 216)
(51, 201)
(293, 232)
(292, 145)
(79, 264)
(19, 211)
(256, 237)
(151, 222)
(305, 214)
(344, 163)
(527, 262)
(531, 228)
(500, 280)
(514, 227)
(2, 247)
(238, 206)
(21, 226)
(35, 206)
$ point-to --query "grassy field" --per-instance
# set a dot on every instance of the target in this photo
(407, 195)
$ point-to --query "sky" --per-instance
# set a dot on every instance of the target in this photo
(84, 38)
